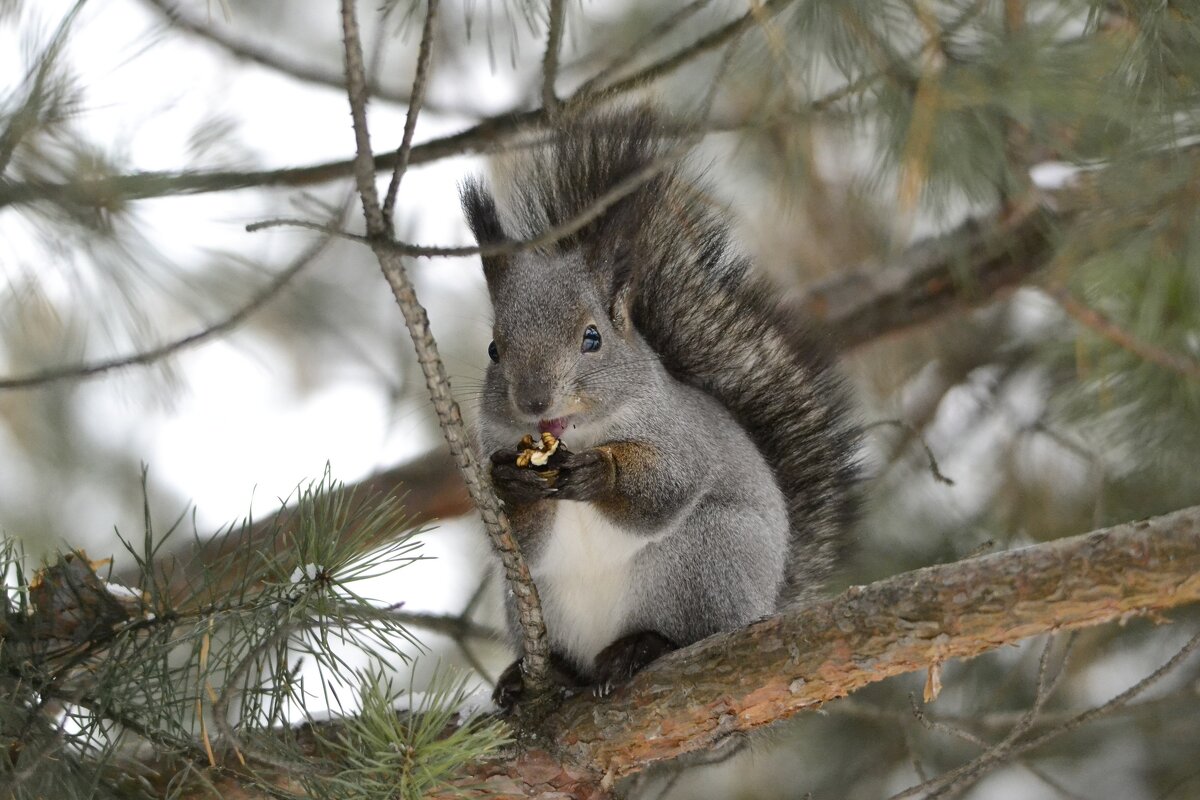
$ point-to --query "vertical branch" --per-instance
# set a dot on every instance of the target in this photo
(550, 60)
(1016, 135)
(420, 80)
(529, 611)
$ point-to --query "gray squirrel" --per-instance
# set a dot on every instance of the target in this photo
(712, 454)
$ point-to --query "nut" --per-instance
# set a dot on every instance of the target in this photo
(538, 455)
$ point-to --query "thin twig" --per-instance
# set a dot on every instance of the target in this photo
(300, 69)
(536, 647)
(554, 35)
(261, 298)
(936, 471)
(1093, 319)
(639, 45)
(404, 152)
(966, 736)
(547, 237)
(1012, 749)
(701, 46)
(1119, 701)
(1002, 751)
(993, 755)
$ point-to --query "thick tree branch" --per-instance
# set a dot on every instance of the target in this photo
(771, 670)
(696, 698)
(966, 267)
(739, 681)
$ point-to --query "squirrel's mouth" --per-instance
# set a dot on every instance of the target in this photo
(553, 426)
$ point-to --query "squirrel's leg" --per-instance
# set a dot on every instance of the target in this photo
(511, 685)
(619, 661)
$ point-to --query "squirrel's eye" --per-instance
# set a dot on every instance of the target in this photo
(591, 339)
(493, 353)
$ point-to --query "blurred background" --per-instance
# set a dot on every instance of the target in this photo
(990, 207)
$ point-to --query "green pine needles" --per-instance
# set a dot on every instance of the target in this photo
(382, 753)
(213, 671)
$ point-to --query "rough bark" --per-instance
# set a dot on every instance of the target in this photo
(743, 680)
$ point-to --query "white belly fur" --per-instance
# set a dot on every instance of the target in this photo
(584, 577)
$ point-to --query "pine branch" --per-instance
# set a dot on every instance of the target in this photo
(699, 697)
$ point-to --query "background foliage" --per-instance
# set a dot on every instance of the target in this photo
(840, 134)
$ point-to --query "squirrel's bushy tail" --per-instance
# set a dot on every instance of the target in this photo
(714, 322)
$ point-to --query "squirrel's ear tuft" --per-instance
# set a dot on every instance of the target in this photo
(484, 221)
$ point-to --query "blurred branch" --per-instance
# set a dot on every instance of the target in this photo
(304, 70)
(236, 318)
(640, 44)
(960, 269)
(1093, 319)
(554, 34)
(25, 118)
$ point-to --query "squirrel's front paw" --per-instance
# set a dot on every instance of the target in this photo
(517, 485)
(589, 475)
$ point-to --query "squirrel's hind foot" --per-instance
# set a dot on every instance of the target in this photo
(625, 657)
(510, 687)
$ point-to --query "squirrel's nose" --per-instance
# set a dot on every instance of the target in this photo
(532, 404)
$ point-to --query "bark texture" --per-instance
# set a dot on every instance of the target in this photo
(773, 669)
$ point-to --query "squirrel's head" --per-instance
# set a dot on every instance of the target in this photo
(565, 356)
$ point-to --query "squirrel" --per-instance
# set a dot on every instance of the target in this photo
(712, 463)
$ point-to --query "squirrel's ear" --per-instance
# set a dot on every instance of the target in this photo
(619, 311)
(484, 221)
